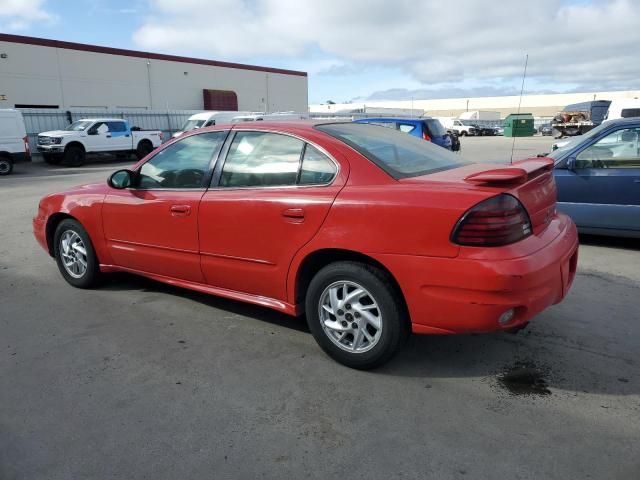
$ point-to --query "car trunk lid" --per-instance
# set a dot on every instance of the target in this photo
(530, 181)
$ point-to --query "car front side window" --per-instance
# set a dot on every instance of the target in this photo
(620, 149)
(183, 164)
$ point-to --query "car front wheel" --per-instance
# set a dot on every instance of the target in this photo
(355, 314)
(75, 255)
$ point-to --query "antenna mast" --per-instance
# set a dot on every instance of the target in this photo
(524, 75)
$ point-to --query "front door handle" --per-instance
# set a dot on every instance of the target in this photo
(294, 213)
(180, 210)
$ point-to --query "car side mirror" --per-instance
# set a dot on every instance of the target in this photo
(121, 179)
(571, 164)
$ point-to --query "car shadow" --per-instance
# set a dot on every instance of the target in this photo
(560, 363)
(612, 242)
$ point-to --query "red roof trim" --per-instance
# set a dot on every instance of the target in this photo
(4, 37)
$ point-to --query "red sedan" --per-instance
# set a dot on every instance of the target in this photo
(370, 232)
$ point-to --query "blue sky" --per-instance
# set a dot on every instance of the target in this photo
(364, 49)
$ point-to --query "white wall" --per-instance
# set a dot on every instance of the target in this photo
(39, 75)
(539, 105)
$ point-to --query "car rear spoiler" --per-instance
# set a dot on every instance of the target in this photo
(518, 172)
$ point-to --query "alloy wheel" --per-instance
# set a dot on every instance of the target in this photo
(350, 316)
(73, 253)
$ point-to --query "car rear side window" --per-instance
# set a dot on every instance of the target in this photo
(317, 168)
(406, 127)
(183, 164)
(435, 128)
(396, 153)
(262, 159)
(630, 112)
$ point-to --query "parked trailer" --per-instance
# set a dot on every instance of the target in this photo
(579, 118)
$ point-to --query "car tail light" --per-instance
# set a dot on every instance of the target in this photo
(500, 220)
(27, 149)
(426, 136)
(161, 136)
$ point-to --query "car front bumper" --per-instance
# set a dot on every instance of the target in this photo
(50, 148)
(39, 231)
(470, 293)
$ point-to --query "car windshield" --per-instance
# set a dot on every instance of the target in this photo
(435, 127)
(576, 140)
(79, 126)
(191, 124)
(396, 153)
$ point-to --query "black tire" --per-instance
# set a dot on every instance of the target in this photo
(463, 133)
(381, 291)
(91, 275)
(52, 159)
(74, 156)
(6, 165)
(144, 148)
(557, 133)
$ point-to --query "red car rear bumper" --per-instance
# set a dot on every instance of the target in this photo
(469, 293)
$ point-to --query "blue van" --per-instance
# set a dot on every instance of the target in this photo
(427, 128)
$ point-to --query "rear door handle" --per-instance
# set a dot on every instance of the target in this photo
(180, 210)
(293, 213)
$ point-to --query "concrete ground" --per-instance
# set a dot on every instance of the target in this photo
(141, 380)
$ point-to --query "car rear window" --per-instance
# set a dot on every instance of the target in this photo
(398, 154)
(435, 128)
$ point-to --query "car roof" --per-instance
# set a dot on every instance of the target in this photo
(102, 119)
(394, 119)
(622, 121)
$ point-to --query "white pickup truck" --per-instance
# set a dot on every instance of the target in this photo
(96, 135)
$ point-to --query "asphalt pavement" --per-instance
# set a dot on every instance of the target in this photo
(138, 379)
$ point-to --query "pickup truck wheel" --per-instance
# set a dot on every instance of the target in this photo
(463, 133)
(355, 314)
(75, 255)
(144, 149)
(51, 159)
(6, 166)
(74, 156)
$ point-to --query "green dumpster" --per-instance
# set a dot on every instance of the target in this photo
(519, 125)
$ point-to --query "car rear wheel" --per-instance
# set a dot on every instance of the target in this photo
(6, 166)
(75, 255)
(355, 314)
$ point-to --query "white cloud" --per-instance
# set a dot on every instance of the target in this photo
(592, 43)
(16, 15)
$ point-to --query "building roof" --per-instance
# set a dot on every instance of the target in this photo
(44, 42)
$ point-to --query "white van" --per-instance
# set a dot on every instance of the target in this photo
(271, 117)
(14, 145)
(624, 108)
(207, 119)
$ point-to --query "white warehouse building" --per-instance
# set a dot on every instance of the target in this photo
(42, 73)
